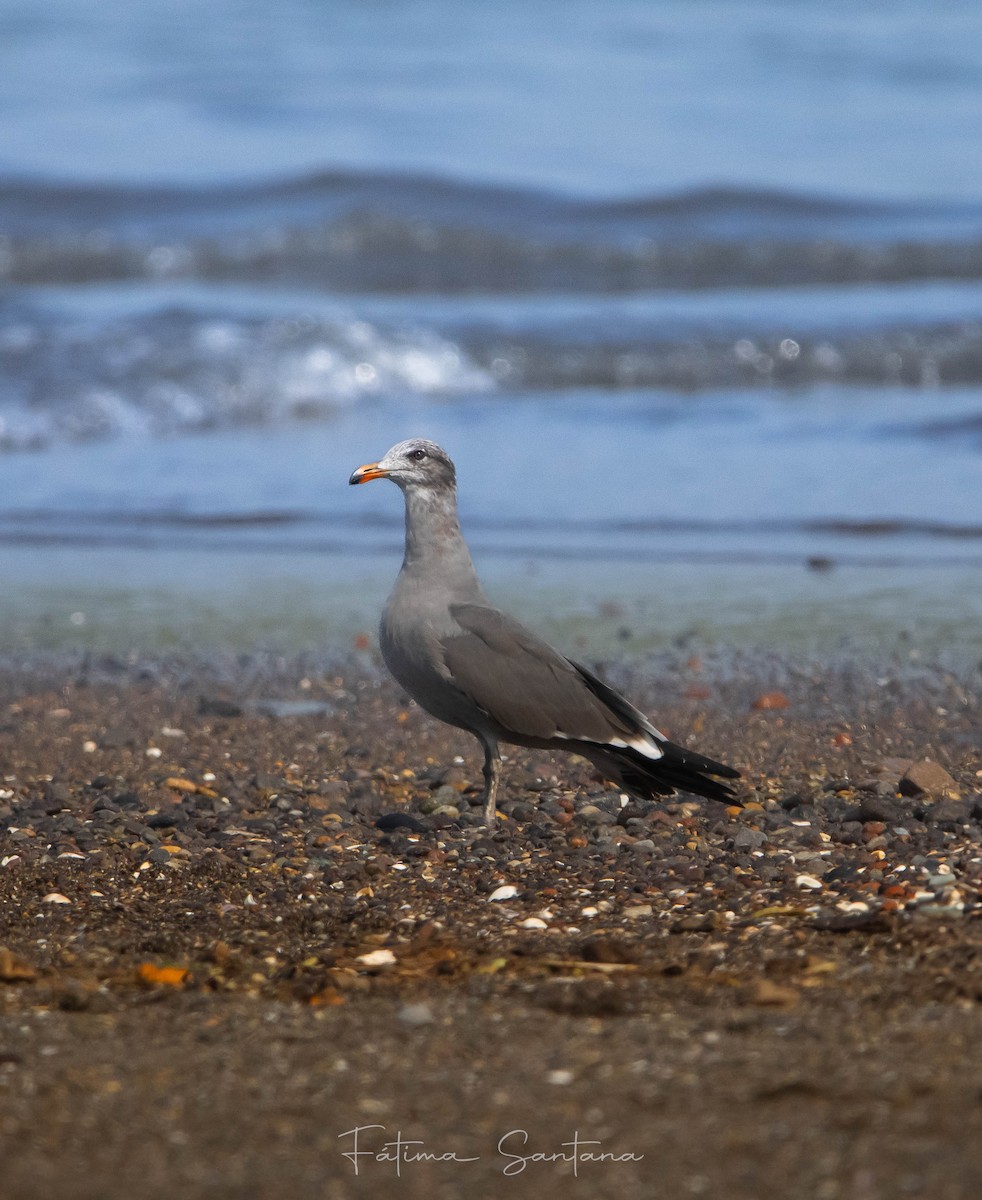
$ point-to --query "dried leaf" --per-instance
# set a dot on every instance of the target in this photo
(178, 784)
(327, 997)
(14, 969)
(492, 967)
(771, 993)
(154, 976)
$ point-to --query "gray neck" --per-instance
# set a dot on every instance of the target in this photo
(433, 537)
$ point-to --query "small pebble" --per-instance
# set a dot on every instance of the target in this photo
(561, 1078)
(416, 1014)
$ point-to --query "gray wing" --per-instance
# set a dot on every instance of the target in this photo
(528, 688)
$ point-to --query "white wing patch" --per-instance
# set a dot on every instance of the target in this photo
(643, 745)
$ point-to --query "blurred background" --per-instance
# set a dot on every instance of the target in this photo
(691, 291)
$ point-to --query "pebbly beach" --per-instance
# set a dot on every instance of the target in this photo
(260, 889)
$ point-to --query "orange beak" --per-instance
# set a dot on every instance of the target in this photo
(368, 472)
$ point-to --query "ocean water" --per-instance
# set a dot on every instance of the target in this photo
(692, 292)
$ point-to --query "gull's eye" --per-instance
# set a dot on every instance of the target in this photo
(417, 455)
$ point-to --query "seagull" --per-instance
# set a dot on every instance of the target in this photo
(472, 666)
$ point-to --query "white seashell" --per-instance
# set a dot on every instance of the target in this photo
(377, 958)
(507, 891)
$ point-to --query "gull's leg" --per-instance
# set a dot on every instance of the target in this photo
(492, 773)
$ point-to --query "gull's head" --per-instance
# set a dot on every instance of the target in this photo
(413, 464)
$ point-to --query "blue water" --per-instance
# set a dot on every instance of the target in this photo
(692, 283)
(614, 98)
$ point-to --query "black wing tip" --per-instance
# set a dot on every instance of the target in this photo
(700, 785)
(695, 761)
(679, 769)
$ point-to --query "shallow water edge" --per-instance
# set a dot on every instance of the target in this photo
(124, 601)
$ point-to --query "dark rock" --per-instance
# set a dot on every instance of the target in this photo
(400, 820)
(749, 839)
(523, 812)
(261, 825)
(67, 824)
(881, 808)
(807, 837)
(138, 829)
(850, 833)
(56, 796)
(485, 848)
(161, 820)
(949, 811)
(269, 783)
(634, 810)
(455, 777)
(878, 787)
(365, 803)
(214, 706)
